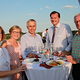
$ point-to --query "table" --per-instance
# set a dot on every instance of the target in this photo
(35, 72)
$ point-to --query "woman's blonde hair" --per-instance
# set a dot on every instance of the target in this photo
(3, 33)
(15, 27)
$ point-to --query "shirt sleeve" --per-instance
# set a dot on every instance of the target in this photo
(23, 47)
(69, 38)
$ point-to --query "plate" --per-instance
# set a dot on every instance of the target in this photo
(60, 62)
(55, 63)
(52, 63)
(31, 60)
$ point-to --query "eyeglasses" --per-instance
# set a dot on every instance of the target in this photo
(16, 32)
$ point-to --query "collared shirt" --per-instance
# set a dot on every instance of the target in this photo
(30, 43)
(76, 47)
(4, 62)
(62, 39)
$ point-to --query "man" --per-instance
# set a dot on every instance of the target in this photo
(75, 58)
(44, 34)
(31, 42)
(59, 35)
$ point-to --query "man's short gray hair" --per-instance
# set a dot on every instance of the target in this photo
(76, 16)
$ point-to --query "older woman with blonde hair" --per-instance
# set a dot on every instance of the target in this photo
(14, 47)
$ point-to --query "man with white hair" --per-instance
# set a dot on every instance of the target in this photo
(75, 58)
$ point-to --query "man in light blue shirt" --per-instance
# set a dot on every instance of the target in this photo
(59, 35)
(31, 42)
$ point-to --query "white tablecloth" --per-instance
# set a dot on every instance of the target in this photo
(56, 73)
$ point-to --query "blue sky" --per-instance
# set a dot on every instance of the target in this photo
(17, 12)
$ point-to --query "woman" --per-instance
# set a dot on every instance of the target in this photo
(5, 71)
(2, 35)
(14, 48)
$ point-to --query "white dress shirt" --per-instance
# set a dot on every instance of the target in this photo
(62, 39)
(30, 43)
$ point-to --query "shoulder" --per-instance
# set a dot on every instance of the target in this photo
(50, 29)
(4, 44)
(38, 35)
(65, 25)
(23, 36)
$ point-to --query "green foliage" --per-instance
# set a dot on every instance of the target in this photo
(40, 33)
(7, 36)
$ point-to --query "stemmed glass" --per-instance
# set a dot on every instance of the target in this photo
(51, 50)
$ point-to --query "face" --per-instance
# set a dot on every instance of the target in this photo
(15, 34)
(0, 35)
(31, 27)
(77, 22)
(54, 19)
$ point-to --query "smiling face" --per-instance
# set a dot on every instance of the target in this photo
(77, 21)
(55, 19)
(31, 25)
(15, 34)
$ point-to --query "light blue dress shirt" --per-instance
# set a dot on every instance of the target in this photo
(62, 39)
(30, 44)
(4, 62)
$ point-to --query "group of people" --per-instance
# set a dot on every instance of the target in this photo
(10, 54)
(28, 45)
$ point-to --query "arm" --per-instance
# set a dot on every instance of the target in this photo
(11, 72)
(69, 37)
(71, 59)
(4, 44)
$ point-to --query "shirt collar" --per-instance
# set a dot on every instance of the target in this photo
(58, 25)
(30, 34)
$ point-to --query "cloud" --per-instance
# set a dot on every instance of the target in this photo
(41, 8)
(45, 7)
(69, 6)
(31, 14)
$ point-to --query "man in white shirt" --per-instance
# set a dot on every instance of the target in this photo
(44, 34)
(31, 42)
(60, 35)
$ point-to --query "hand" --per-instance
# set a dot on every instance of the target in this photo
(21, 68)
(55, 53)
(63, 53)
(60, 54)
(71, 59)
(47, 52)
